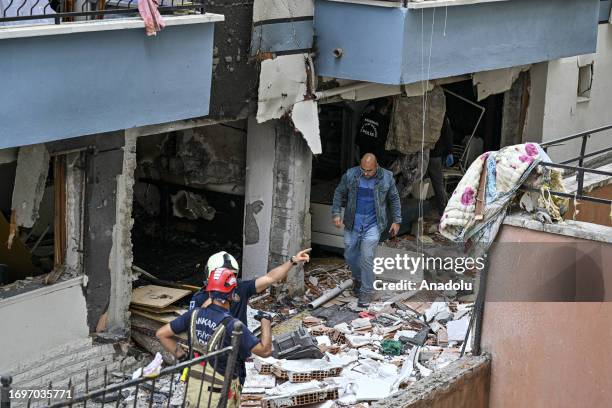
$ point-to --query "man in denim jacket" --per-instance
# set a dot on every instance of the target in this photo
(365, 192)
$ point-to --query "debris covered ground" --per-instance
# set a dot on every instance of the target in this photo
(366, 354)
(346, 356)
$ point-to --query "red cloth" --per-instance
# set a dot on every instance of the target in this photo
(151, 17)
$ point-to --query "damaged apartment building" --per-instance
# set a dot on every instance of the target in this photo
(230, 129)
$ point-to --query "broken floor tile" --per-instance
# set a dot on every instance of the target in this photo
(361, 323)
(260, 381)
(435, 308)
(457, 329)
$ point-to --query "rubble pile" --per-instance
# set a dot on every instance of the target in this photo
(336, 353)
(367, 355)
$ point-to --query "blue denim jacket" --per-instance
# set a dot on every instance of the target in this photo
(385, 193)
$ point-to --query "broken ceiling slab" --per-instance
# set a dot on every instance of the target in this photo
(305, 116)
(30, 181)
(282, 82)
(496, 81)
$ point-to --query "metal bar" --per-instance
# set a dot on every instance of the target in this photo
(152, 393)
(595, 153)
(214, 379)
(482, 112)
(596, 200)
(105, 384)
(574, 168)
(479, 309)
(170, 392)
(136, 395)
(231, 362)
(170, 370)
(5, 391)
(59, 16)
(38, 241)
(575, 136)
(580, 173)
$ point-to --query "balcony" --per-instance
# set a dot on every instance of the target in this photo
(86, 71)
(390, 42)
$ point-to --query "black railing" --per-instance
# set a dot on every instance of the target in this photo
(58, 11)
(579, 170)
(111, 395)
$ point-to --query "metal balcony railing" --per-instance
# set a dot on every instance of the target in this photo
(16, 12)
(111, 394)
(580, 170)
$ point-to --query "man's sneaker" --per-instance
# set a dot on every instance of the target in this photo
(364, 300)
(356, 287)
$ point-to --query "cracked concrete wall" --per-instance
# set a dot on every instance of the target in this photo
(103, 169)
(290, 227)
(516, 102)
(121, 256)
(211, 157)
(39, 320)
(462, 384)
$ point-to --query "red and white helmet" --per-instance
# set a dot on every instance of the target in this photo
(221, 280)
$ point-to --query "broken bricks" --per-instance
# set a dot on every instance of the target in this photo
(372, 352)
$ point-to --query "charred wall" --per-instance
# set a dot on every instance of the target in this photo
(234, 80)
(103, 163)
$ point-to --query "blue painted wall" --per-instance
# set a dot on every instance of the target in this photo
(392, 45)
(63, 86)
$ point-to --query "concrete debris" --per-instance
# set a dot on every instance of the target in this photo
(283, 84)
(457, 329)
(337, 353)
(305, 117)
(361, 323)
(377, 351)
(434, 309)
(323, 340)
(497, 81)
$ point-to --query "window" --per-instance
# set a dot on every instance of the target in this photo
(585, 81)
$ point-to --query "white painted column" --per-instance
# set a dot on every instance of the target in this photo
(259, 190)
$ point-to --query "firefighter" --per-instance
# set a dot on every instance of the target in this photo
(203, 325)
(246, 288)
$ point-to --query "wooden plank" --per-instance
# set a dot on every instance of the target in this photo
(166, 310)
(162, 318)
(480, 195)
(157, 296)
(59, 191)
